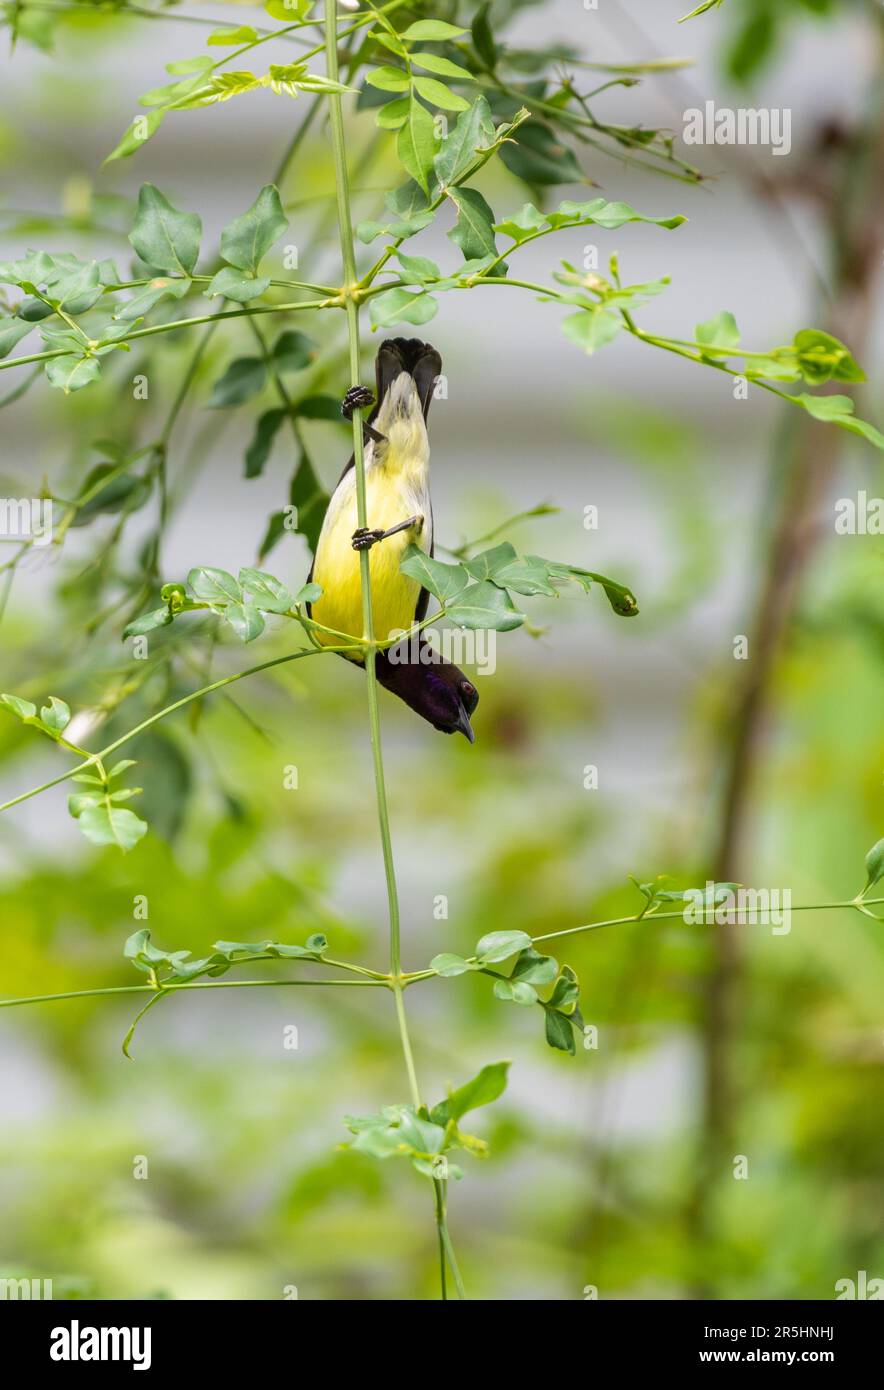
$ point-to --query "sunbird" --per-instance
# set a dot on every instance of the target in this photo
(400, 513)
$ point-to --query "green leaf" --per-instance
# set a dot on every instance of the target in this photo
(235, 285)
(292, 351)
(473, 130)
(264, 591)
(874, 863)
(483, 605)
(515, 992)
(431, 30)
(486, 564)
(145, 298)
(534, 968)
(720, 331)
(245, 619)
(417, 269)
(388, 79)
(443, 581)
(838, 410)
(70, 373)
(500, 945)
(449, 964)
(566, 993)
(368, 231)
(822, 358)
(399, 305)
(138, 133)
(163, 236)
(308, 495)
(266, 429)
(432, 62)
(24, 709)
(559, 1033)
(591, 329)
(242, 380)
(232, 38)
(112, 825)
(55, 716)
(523, 225)
(538, 157)
(474, 229)
(439, 95)
(416, 144)
(214, 585)
(483, 37)
(484, 1088)
(12, 330)
(246, 240)
(391, 117)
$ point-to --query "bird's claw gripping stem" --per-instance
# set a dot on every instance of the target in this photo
(360, 398)
(364, 538)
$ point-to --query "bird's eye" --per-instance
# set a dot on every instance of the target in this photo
(467, 688)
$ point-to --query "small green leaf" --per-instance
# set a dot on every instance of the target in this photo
(399, 305)
(720, 331)
(112, 825)
(439, 95)
(431, 30)
(443, 581)
(391, 117)
(242, 380)
(264, 591)
(55, 716)
(24, 709)
(71, 373)
(874, 864)
(483, 605)
(388, 79)
(500, 945)
(245, 619)
(236, 285)
(516, 991)
(247, 239)
(233, 37)
(266, 429)
(559, 1032)
(483, 38)
(148, 622)
(838, 410)
(473, 130)
(482, 1090)
(214, 585)
(138, 133)
(433, 62)
(591, 329)
(534, 968)
(474, 229)
(416, 144)
(449, 964)
(163, 236)
(12, 330)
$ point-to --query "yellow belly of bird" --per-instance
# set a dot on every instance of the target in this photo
(337, 567)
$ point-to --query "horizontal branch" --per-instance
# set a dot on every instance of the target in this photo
(169, 988)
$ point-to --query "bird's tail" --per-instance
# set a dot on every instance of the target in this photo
(419, 361)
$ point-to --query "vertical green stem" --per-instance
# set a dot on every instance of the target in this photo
(348, 257)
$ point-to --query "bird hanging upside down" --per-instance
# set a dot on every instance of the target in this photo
(399, 511)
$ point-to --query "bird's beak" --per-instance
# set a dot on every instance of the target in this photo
(464, 726)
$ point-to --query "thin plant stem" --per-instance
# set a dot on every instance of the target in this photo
(94, 758)
(184, 985)
(345, 230)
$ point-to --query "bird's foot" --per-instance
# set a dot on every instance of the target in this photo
(357, 398)
(364, 538)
